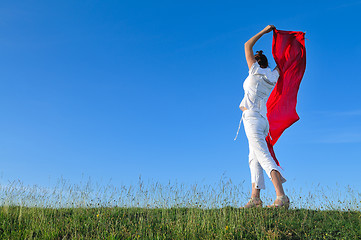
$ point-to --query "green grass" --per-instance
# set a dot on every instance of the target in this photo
(172, 211)
(177, 223)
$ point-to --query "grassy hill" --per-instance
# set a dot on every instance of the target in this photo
(173, 211)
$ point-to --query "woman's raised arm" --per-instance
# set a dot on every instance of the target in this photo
(250, 43)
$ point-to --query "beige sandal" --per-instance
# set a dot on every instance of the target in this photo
(254, 202)
(285, 202)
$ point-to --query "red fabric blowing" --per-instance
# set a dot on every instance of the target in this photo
(289, 52)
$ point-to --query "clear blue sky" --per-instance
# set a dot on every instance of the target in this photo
(118, 89)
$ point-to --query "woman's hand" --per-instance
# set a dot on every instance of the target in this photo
(268, 29)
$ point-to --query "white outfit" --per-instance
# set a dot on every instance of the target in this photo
(257, 88)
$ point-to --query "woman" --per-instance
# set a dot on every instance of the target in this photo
(258, 86)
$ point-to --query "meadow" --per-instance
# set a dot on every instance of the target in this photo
(172, 211)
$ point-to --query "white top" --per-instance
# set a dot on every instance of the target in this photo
(257, 88)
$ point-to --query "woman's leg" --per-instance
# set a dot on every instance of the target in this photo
(277, 183)
(256, 193)
(257, 178)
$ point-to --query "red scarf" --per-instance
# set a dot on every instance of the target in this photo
(290, 55)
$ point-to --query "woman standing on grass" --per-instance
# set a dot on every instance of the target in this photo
(257, 87)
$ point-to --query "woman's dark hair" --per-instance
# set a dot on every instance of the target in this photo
(261, 59)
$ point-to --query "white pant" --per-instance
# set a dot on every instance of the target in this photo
(256, 128)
